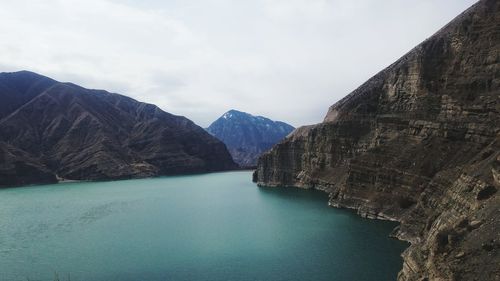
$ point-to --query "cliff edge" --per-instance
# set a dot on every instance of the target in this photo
(418, 143)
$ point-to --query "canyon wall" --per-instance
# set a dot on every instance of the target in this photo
(418, 143)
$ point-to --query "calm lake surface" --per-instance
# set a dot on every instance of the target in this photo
(204, 227)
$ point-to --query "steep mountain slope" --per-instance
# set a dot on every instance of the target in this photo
(418, 143)
(52, 130)
(247, 136)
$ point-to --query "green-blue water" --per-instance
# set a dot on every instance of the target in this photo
(204, 227)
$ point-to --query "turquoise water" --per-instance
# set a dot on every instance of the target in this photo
(203, 227)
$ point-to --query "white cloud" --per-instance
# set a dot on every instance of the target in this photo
(288, 60)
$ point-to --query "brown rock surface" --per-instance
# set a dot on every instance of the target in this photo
(52, 130)
(418, 143)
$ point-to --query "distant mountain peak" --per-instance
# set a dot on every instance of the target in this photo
(235, 113)
(247, 136)
(231, 114)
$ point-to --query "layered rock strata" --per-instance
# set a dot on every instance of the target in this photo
(418, 143)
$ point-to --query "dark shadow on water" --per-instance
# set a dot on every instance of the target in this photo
(320, 199)
(296, 193)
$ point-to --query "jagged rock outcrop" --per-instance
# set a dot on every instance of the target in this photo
(51, 131)
(247, 136)
(418, 143)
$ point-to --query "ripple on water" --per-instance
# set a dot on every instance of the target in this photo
(203, 227)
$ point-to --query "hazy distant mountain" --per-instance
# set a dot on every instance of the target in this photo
(247, 136)
(51, 130)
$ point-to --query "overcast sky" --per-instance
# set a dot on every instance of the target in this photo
(287, 60)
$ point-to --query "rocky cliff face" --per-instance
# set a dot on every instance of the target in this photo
(248, 136)
(51, 130)
(418, 143)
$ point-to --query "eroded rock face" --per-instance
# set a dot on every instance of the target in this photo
(418, 143)
(51, 130)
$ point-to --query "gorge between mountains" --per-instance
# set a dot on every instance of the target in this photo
(418, 143)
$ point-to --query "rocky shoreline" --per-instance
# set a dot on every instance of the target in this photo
(419, 143)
